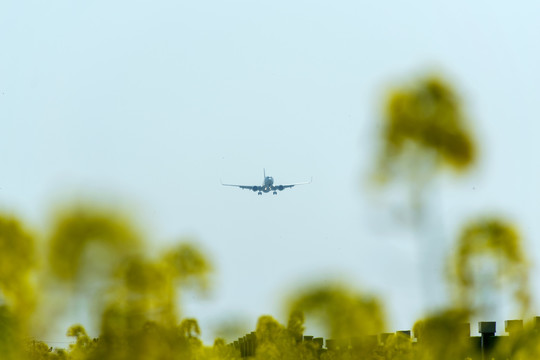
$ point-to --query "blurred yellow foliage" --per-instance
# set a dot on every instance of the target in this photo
(275, 341)
(11, 341)
(434, 332)
(17, 260)
(77, 229)
(139, 306)
(496, 241)
(187, 263)
(343, 313)
(424, 129)
(18, 297)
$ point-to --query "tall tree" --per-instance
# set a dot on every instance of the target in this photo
(424, 131)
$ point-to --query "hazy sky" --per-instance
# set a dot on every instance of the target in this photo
(149, 103)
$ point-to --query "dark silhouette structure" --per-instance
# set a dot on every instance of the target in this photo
(479, 347)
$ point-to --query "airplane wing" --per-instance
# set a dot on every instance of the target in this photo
(285, 186)
(247, 187)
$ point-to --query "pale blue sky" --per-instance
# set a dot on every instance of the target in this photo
(150, 103)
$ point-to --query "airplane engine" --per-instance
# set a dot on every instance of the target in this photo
(255, 188)
(280, 187)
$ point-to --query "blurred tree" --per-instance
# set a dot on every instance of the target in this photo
(274, 341)
(78, 229)
(188, 265)
(435, 332)
(295, 325)
(11, 335)
(83, 345)
(189, 328)
(490, 255)
(18, 296)
(424, 131)
(342, 313)
(523, 344)
(17, 261)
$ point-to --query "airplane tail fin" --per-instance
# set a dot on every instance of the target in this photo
(264, 173)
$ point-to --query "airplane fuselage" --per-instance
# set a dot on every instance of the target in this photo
(268, 183)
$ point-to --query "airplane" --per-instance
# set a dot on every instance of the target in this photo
(267, 185)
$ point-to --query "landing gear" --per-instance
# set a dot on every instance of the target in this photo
(259, 193)
(275, 192)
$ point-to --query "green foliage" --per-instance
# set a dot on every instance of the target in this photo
(186, 263)
(295, 325)
(423, 125)
(17, 261)
(83, 345)
(10, 334)
(275, 341)
(78, 229)
(522, 345)
(495, 241)
(140, 318)
(433, 334)
(342, 313)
